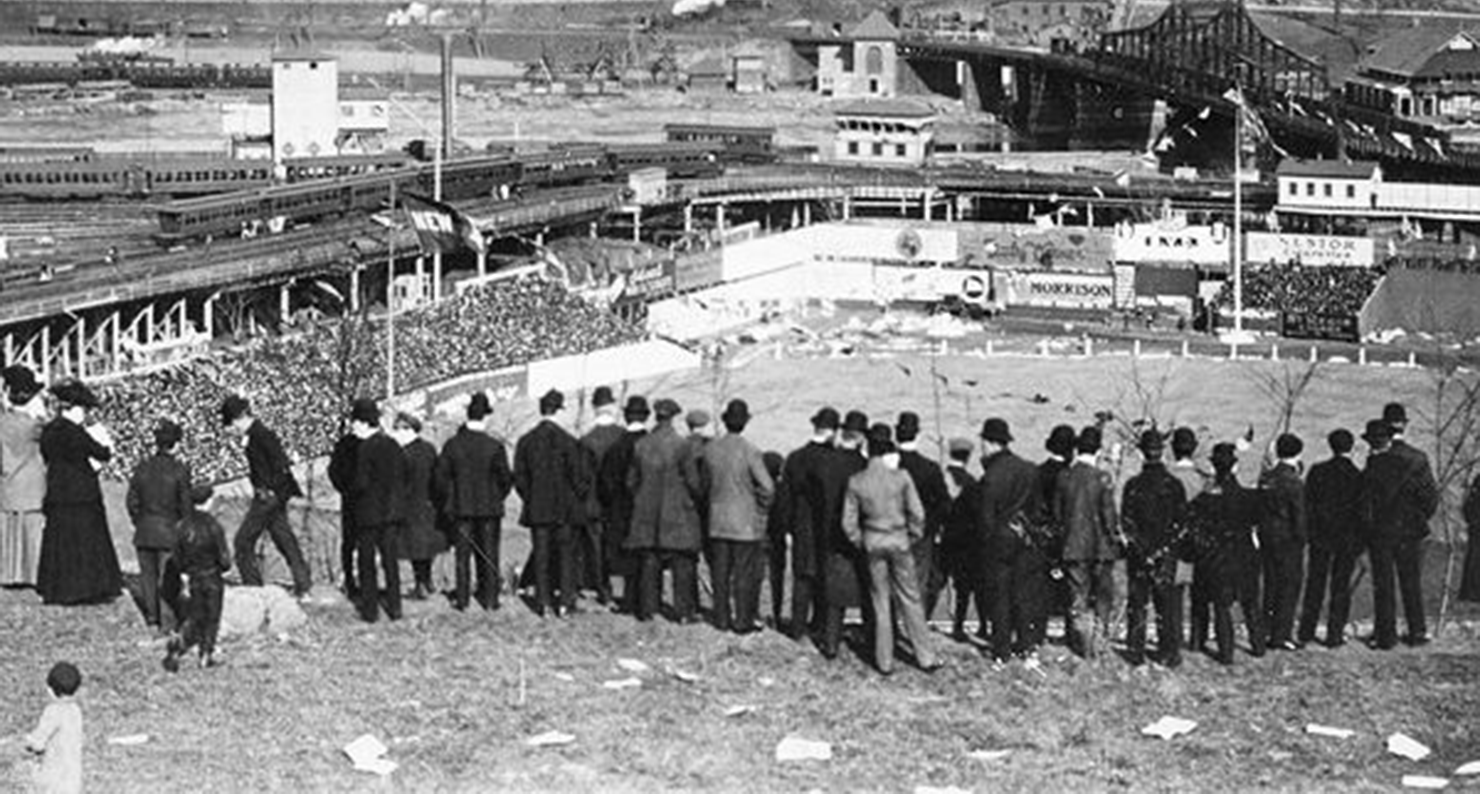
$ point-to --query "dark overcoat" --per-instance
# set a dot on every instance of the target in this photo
(551, 476)
(380, 482)
(1154, 513)
(1008, 499)
(473, 475)
(1333, 502)
(267, 464)
(798, 507)
(421, 540)
(663, 479)
(1085, 509)
(158, 497)
(930, 483)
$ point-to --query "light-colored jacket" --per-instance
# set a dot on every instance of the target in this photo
(22, 470)
(882, 509)
(739, 489)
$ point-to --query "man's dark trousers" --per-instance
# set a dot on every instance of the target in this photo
(477, 544)
(371, 540)
(557, 540)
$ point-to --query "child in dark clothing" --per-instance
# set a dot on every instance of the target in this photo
(202, 555)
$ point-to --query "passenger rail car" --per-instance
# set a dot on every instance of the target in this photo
(682, 160)
(739, 144)
(122, 177)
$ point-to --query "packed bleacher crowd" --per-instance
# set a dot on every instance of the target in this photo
(299, 379)
(1304, 290)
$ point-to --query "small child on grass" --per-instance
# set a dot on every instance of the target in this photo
(201, 554)
(58, 736)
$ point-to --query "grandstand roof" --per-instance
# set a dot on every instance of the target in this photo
(1329, 169)
(875, 26)
(1424, 51)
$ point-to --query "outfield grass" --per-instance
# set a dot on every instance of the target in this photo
(455, 695)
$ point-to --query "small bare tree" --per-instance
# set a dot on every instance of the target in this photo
(1284, 386)
(1453, 419)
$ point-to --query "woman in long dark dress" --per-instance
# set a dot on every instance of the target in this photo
(78, 563)
(1469, 583)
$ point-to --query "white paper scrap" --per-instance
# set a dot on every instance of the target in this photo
(378, 766)
(1407, 746)
(633, 665)
(550, 739)
(1472, 768)
(365, 748)
(566, 677)
(1327, 730)
(1425, 781)
(622, 683)
(988, 755)
(1169, 727)
(795, 748)
(684, 676)
(129, 740)
(736, 711)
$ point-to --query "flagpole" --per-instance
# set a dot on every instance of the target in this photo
(390, 301)
(1238, 215)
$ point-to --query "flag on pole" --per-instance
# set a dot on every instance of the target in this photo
(440, 227)
(1254, 131)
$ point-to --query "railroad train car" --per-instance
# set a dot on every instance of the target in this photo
(682, 160)
(739, 144)
(45, 154)
(120, 177)
(305, 168)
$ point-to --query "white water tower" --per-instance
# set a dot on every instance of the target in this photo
(305, 105)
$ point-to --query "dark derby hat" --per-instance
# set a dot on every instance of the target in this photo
(907, 428)
(737, 411)
(826, 418)
(364, 409)
(408, 421)
(636, 409)
(1060, 441)
(1378, 432)
(75, 392)
(880, 445)
(201, 493)
(21, 383)
(1151, 443)
(602, 396)
(1288, 445)
(1341, 441)
(855, 422)
(551, 401)
(1395, 414)
(666, 409)
(880, 430)
(1224, 453)
(167, 434)
(1089, 440)
(478, 406)
(233, 407)
(996, 431)
(1184, 441)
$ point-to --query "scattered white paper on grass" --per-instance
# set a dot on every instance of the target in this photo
(941, 790)
(622, 683)
(366, 753)
(795, 748)
(1169, 727)
(988, 755)
(550, 739)
(766, 681)
(1424, 781)
(1472, 768)
(684, 675)
(736, 711)
(129, 740)
(1327, 730)
(633, 665)
(566, 677)
(1407, 746)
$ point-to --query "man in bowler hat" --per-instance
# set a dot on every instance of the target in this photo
(552, 479)
(379, 499)
(158, 497)
(616, 498)
(739, 490)
(273, 484)
(663, 479)
(1398, 499)
(1282, 541)
(473, 478)
(342, 477)
(1154, 511)
(1333, 501)
(930, 484)
(606, 428)
(1085, 508)
(1012, 568)
(801, 519)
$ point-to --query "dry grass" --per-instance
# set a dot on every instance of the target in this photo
(455, 695)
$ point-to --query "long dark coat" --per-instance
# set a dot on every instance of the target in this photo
(1283, 520)
(421, 539)
(930, 483)
(595, 444)
(1333, 503)
(1008, 502)
(78, 563)
(798, 507)
(342, 477)
(473, 476)
(616, 500)
(551, 477)
(663, 479)
(844, 568)
(158, 497)
(1154, 513)
(380, 482)
(1085, 508)
(1399, 495)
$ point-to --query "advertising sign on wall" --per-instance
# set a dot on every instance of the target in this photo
(1154, 242)
(1317, 250)
(1076, 290)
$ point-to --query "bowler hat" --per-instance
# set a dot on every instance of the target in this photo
(1288, 445)
(697, 418)
(959, 447)
(1378, 432)
(666, 409)
(1224, 453)
(1184, 442)
(736, 412)
(879, 445)
(167, 434)
(75, 392)
(636, 409)
(880, 430)
(602, 396)
(826, 418)
(1060, 441)
(551, 401)
(855, 422)
(478, 406)
(364, 409)
(1089, 440)
(408, 421)
(201, 493)
(907, 428)
(21, 383)
(233, 407)
(1341, 441)
(1152, 443)
(1395, 414)
(996, 431)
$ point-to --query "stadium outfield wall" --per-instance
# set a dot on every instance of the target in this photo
(1423, 301)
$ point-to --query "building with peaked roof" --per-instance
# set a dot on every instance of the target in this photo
(1328, 183)
(864, 64)
(884, 132)
(1429, 73)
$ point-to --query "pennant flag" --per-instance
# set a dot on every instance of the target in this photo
(440, 227)
(1254, 131)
